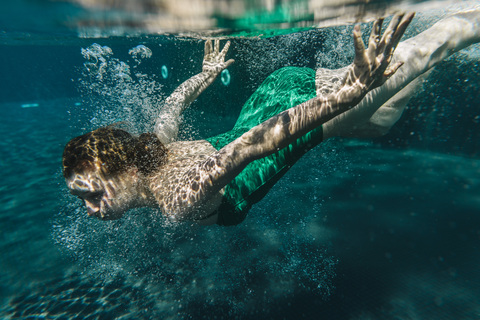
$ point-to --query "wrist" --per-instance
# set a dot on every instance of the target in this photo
(352, 94)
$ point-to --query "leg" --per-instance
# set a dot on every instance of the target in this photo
(419, 54)
(388, 114)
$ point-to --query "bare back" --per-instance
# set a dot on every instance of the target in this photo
(182, 157)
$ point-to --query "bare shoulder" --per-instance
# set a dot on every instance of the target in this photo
(181, 149)
(182, 157)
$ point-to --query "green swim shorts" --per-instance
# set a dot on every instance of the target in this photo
(283, 89)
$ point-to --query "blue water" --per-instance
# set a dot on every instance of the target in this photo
(385, 228)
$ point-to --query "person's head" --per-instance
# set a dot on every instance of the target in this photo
(104, 168)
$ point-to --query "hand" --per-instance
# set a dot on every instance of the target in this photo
(371, 66)
(214, 60)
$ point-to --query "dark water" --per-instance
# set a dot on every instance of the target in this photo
(387, 228)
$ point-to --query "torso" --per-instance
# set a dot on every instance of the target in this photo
(182, 156)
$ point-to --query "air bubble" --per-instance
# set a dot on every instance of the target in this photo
(225, 77)
(97, 57)
(164, 72)
(140, 52)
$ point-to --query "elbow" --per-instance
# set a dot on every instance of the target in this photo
(166, 130)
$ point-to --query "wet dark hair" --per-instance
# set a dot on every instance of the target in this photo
(112, 151)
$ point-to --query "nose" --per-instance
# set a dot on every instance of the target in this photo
(92, 209)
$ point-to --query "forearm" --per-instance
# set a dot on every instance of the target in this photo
(168, 121)
(285, 128)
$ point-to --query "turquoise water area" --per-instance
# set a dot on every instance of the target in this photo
(385, 228)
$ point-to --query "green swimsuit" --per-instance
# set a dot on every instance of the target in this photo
(283, 89)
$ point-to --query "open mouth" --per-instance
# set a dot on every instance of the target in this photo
(92, 210)
(99, 210)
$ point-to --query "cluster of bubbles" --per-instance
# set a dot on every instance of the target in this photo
(97, 57)
(118, 91)
(191, 269)
(337, 48)
(140, 52)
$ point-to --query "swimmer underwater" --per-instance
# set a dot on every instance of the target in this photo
(218, 180)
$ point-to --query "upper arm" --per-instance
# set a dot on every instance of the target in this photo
(167, 123)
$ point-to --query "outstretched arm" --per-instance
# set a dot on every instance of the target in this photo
(369, 70)
(168, 121)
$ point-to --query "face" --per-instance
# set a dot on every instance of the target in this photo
(105, 198)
